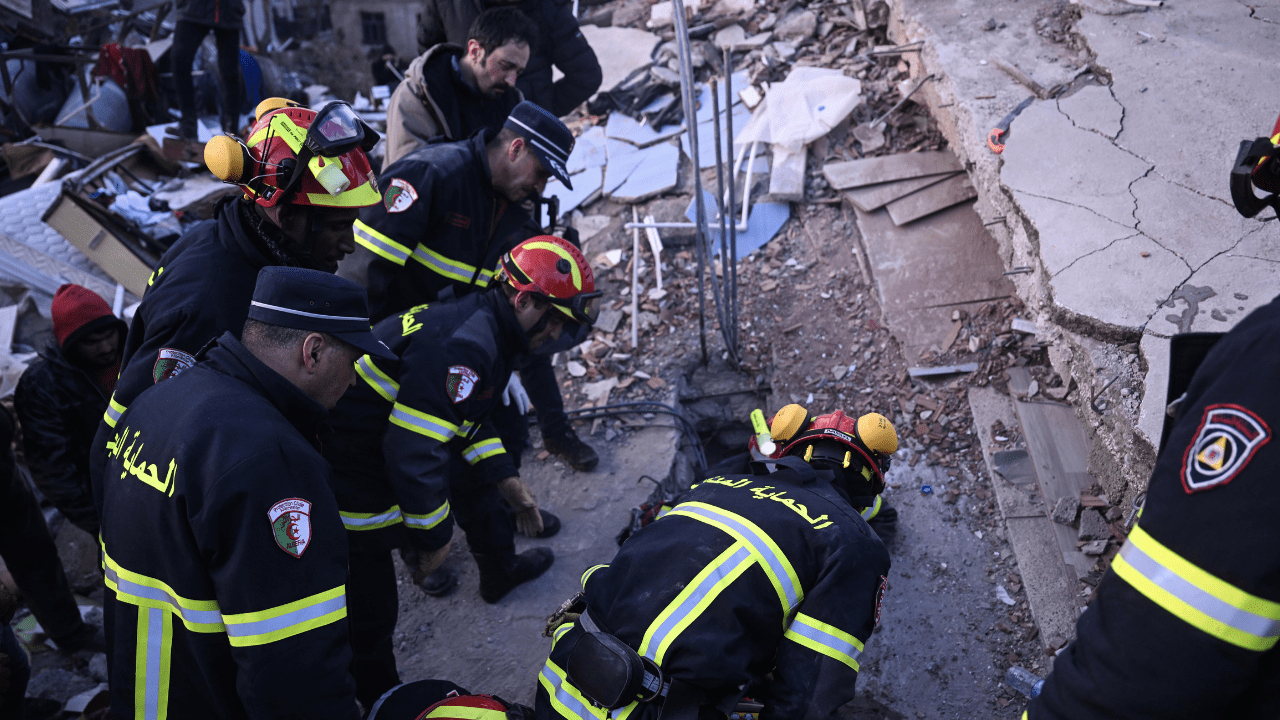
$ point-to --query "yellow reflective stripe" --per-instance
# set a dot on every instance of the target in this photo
(378, 380)
(569, 702)
(482, 450)
(201, 616)
(1196, 596)
(113, 413)
(694, 599)
(559, 633)
(282, 126)
(362, 196)
(285, 621)
(870, 512)
(587, 574)
(429, 520)
(450, 268)
(826, 639)
(543, 245)
(422, 423)
(152, 664)
(766, 551)
(355, 521)
(379, 244)
(467, 713)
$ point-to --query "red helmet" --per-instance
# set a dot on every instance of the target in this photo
(290, 158)
(556, 270)
(466, 707)
(870, 441)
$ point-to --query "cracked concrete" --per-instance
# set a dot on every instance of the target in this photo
(1116, 193)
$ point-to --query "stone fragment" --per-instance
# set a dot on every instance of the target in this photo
(1094, 548)
(1065, 511)
(797, 26)
(58, 684)
(1093, 526)
(575, 368)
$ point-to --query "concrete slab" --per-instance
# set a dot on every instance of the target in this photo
(1177, 217)
(930, 200)
(1117, 285)
(590, 150)
(1093, 108)
(1155, 350)
(620, 51)
(1236, 283)
(874, 197)
(1095, 174)
(1068, 232)
(656, 171)
(889, 168)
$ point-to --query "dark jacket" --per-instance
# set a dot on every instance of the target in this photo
(440, 225)
(60, 408)
(434, 103)
(225, 559)
(392, 435)
(748, 575)
(560, 43)
(200, 289)
(1186, 623)
(214, 13)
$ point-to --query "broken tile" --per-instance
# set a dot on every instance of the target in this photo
(589, 225)
(585, 184)
(625, 127)
(654, 172)
(706, 137)
(763, 222)
(889, 168)
(930, 200)
(589, 151)
(874, 197)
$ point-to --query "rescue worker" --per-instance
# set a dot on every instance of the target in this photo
(748, 575)
(559, 43)
(451, 91)
(443, 700)
(449, 212)
(225, 557)
(411, 448)
(62, 396)
(286, 216)
(1185, 625)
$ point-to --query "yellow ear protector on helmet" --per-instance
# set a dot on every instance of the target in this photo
(790, 420)
(273, 103)
(227, 159)
(877, 433)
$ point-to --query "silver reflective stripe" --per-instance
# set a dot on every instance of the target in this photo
(557, 691)
(391, 515)
(445, 266)
(287, 620)
(374, 376)
(1225, 613)
(778, 565)
(800, 627)
(429, 521)
(155, 653)
(473, 453)
(128, 587)
(434, 429)
(700, 595)
(392, 250)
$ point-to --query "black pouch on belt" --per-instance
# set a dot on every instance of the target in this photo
(611, 674)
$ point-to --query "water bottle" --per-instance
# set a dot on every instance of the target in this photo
(1023, 680)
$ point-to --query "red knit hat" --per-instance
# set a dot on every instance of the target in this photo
(75, 307)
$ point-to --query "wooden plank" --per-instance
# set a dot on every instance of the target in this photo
(869, 171)
(873, 197)
(937, 197)
(1060, 453)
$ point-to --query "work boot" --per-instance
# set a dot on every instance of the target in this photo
(439, 582)
(499, 576)
(579, 455)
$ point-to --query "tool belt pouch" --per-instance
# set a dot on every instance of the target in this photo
(610, 674)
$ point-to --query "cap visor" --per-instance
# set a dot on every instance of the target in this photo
(368, 343)
(555, 168)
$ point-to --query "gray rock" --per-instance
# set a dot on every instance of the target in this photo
(1065, 511)
(98, 667)
(1093, 526)
(60, 685)
(798, 26)
(1094, 548)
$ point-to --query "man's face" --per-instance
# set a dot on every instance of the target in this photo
(525, 178)
(551, 332)
(327, 229)
(335, 373)
(98, 350)
(496, 71)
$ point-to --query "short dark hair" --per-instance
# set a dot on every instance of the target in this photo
(502, 139)
(257, 332)
(499, 26)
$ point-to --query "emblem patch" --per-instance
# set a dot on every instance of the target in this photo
(461, 381)
(1228, 437)
(884, 585)
(400, 196)
(169, 363)
(291, 525)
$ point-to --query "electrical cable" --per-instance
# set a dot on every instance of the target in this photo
(617, 409)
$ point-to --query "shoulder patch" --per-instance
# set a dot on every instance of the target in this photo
(1226, 440)
(460, 382)
(884, 585)
(399, 196)
(169, 363)
(291, 525)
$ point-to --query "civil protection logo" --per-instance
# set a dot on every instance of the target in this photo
(1228, 437)
(170, 362)
(400, 195)
(460, 382)
(291, 525)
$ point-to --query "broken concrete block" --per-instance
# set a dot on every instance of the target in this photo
(1093, 108)
(797, 26)
(1065, 511)
(930, 200)
(588, 226)
(786, 179)
(889, 168)
(608, 320)
(731, 36)
(1094, 548)
(1093, 526)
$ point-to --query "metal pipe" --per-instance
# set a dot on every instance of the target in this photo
(691, 122)
(724, 240)
(733, 230)
(635, 283)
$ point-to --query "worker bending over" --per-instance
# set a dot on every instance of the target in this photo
(747, 576)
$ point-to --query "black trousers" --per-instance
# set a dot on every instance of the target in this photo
(28, 549)
(544, 392)
(11, 700)
(187, 37)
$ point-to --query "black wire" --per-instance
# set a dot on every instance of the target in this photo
(616, 409)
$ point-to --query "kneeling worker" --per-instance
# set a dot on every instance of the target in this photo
(748, 575)
(225, 559)
(410, 444)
